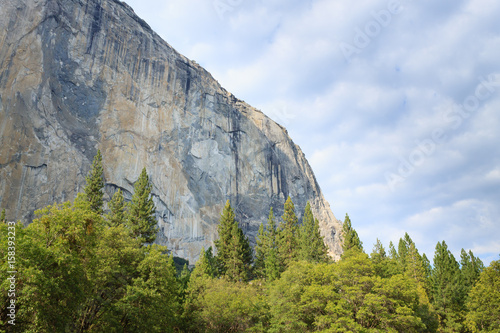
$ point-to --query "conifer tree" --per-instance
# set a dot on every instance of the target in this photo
(234, 254)
(471, 268)
(484, 299)
(95, 184)
(205, 265)
(288, 234)
(379, 259)
(272, 264)
(350, 236)
(266, 253)
(446, 289)
(141, 213)
(261, 250)
(223, 243)
(312, 247)
(393, 254)
(116, 205)
(2, 216)
(239, 260)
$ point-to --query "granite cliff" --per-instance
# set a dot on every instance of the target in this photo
(82, 75)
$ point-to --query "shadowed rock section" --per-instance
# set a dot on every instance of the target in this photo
(82, 75)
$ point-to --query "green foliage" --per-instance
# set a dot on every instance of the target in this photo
(350, 238)
(117, 212)
(95, 184)
(381, 262)
(267, 264)
(141, 219)
(471, 268)
(234, 254)
(311, 244)
(447, 289)
(75, 274)
(2, 216)
(343, 297)
(225, 306)
(151, 300)
(287, 240)
(484, 301)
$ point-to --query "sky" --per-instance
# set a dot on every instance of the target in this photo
(395, 103)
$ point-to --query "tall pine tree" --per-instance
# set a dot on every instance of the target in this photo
(234, 254)
(446, 289)
(95, 184)
(267, 264)
(350, 236)
(312, 247)
(116, 215)
(288, 234)
(470, 268)
(141, 213)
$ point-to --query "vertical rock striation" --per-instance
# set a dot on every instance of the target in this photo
(82, 75)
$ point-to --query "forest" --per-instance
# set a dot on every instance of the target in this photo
(86, 266)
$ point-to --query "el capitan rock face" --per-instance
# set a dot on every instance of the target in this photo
(78, 75)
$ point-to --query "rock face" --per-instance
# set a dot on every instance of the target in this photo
(82, 75)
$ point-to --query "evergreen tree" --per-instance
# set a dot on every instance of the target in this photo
(311, 244)
(288, 234)
(272, 264)
(234, 254)
(350, 236)
(380, 260)
(141, 213)
(267, 263)
(393, 254)
(95, 184)
(205, 266)
(471, 268)
(2, 216)
(484, 301)
(261, 251)
(223, 243)
(240, 258)
(446, 289)
(116, 205)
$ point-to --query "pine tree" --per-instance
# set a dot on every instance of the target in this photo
(446, 289)
(116, 215)
(379, 259)
(141, 213)
(350, 236)
(288, 234)
(223, 243)
(266, 253)
(238, 264)
(95, 184)
(311, 244)
(2, 216)
(261, 250)
(234, 254)
(483, 304)
(471, 268)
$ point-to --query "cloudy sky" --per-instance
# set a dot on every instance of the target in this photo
(396, 104)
